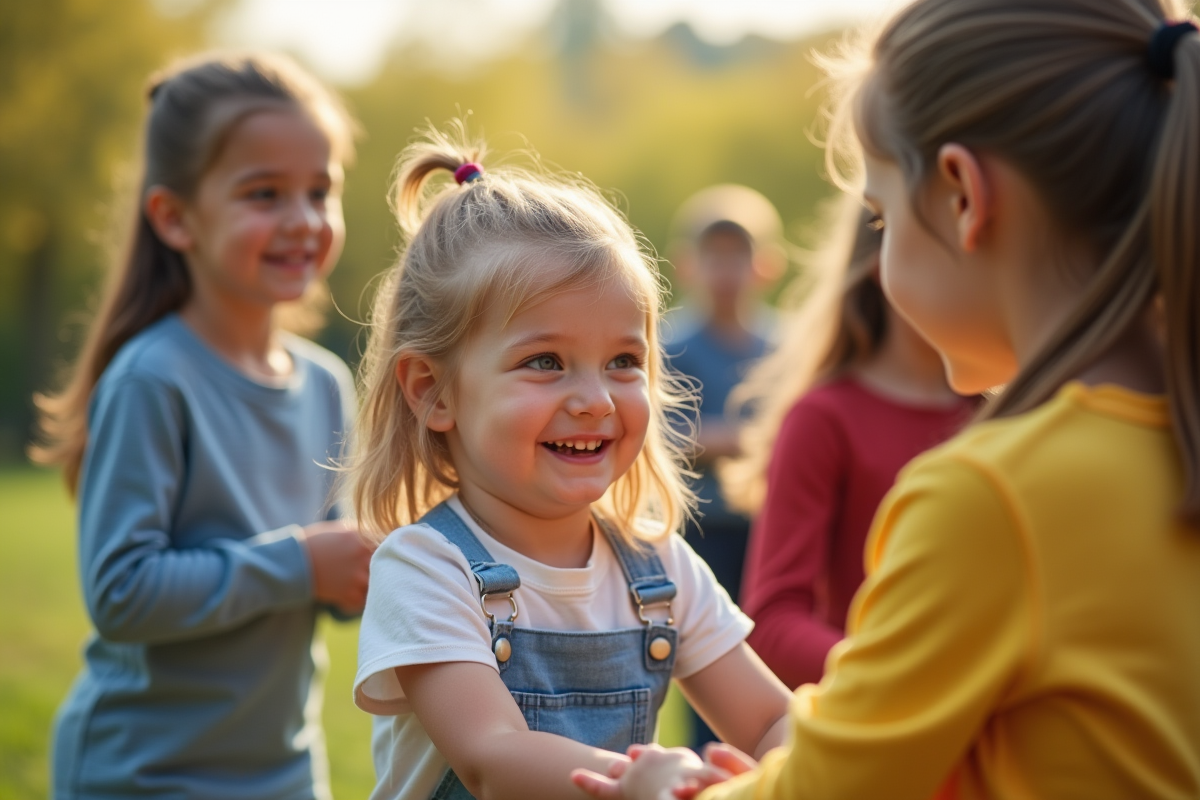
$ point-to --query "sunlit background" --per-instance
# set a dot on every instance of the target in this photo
(651, 99)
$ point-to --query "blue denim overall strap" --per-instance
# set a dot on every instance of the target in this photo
(602, 688)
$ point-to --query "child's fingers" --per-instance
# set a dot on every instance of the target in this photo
(729, 759)
(617, 768)
(699, 781)
(596, 785)
(635, 750)
(686, 790)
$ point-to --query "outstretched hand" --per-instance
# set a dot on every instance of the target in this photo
(656, 773)
(728, 758)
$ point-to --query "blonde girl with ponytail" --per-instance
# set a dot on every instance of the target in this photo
(531, 599)
(1028, 624)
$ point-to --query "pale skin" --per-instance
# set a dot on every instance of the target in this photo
(568, 369)
(264, 222)
(987, 287)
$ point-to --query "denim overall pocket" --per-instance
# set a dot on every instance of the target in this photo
(608, 720)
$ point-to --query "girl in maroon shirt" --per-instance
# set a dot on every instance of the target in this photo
(850, 396)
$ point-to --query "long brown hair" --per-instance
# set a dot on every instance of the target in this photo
(194, 106)
(1062, 90)
(837, 321)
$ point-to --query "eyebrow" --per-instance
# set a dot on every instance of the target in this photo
(550, 338)
(267, 174)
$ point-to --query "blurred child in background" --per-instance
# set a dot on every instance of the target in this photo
(850, 395)
(727, 247)
(195, 432)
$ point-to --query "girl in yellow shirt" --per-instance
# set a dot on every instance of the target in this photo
(1030, 626)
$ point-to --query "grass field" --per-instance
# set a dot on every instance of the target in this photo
(43, 626)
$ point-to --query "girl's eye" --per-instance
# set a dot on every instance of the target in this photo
(625, 361)
(262, 193)
(543, 363)
(875, 223)
(319, 195)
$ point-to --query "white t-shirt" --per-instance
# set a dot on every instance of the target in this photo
(423, 608)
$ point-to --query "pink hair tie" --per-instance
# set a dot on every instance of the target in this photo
(468, 172)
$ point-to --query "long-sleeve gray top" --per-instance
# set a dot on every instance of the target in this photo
(200, 678)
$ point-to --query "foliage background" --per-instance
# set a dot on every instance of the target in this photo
(650, 121)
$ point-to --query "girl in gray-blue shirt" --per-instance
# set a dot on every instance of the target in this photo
(195, 433)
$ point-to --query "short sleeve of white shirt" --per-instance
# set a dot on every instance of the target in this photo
(423, 607)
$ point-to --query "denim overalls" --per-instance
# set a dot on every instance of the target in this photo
(602, 688)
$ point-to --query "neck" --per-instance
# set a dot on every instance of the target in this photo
(244, 334)
(563, 542)
(1135, 361)
(1043, 296)
(907, 368)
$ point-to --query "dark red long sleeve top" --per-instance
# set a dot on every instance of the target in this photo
(836, 456)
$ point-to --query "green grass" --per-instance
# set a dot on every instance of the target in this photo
(43, 626)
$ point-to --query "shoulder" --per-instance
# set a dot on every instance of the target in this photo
(822, 411)
(158, 355)
(687, 570)
(952, 516)
(320, 361)
(1055, 435)
(420, 547)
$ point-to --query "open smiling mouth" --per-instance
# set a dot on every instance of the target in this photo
(585, 447)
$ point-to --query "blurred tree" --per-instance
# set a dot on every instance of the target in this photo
(72, 74)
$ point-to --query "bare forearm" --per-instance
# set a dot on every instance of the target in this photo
(776, 736)
(529, 765)
(792, 640)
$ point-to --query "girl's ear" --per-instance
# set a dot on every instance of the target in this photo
(971, 203)
(165, 211)
(418, 377)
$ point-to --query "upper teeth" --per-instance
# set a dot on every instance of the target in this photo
(590, 445)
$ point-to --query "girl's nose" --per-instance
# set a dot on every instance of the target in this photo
(303, 216)
(590, 396)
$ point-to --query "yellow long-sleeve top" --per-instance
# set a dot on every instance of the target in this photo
(1029, 627)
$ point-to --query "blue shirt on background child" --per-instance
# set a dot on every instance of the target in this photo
(202, 679)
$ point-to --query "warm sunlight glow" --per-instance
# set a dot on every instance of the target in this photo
(347, 40)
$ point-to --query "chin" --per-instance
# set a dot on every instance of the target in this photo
(575, 498)
(968, 380)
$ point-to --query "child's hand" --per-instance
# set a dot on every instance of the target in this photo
(653, 774)
(728, 758)
(340, 560)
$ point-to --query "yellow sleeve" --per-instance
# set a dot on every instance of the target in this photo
(939, 632)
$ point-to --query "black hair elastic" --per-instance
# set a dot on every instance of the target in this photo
(1160, 55)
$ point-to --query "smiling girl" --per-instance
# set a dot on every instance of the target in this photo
(531, 601)
(194, 432)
